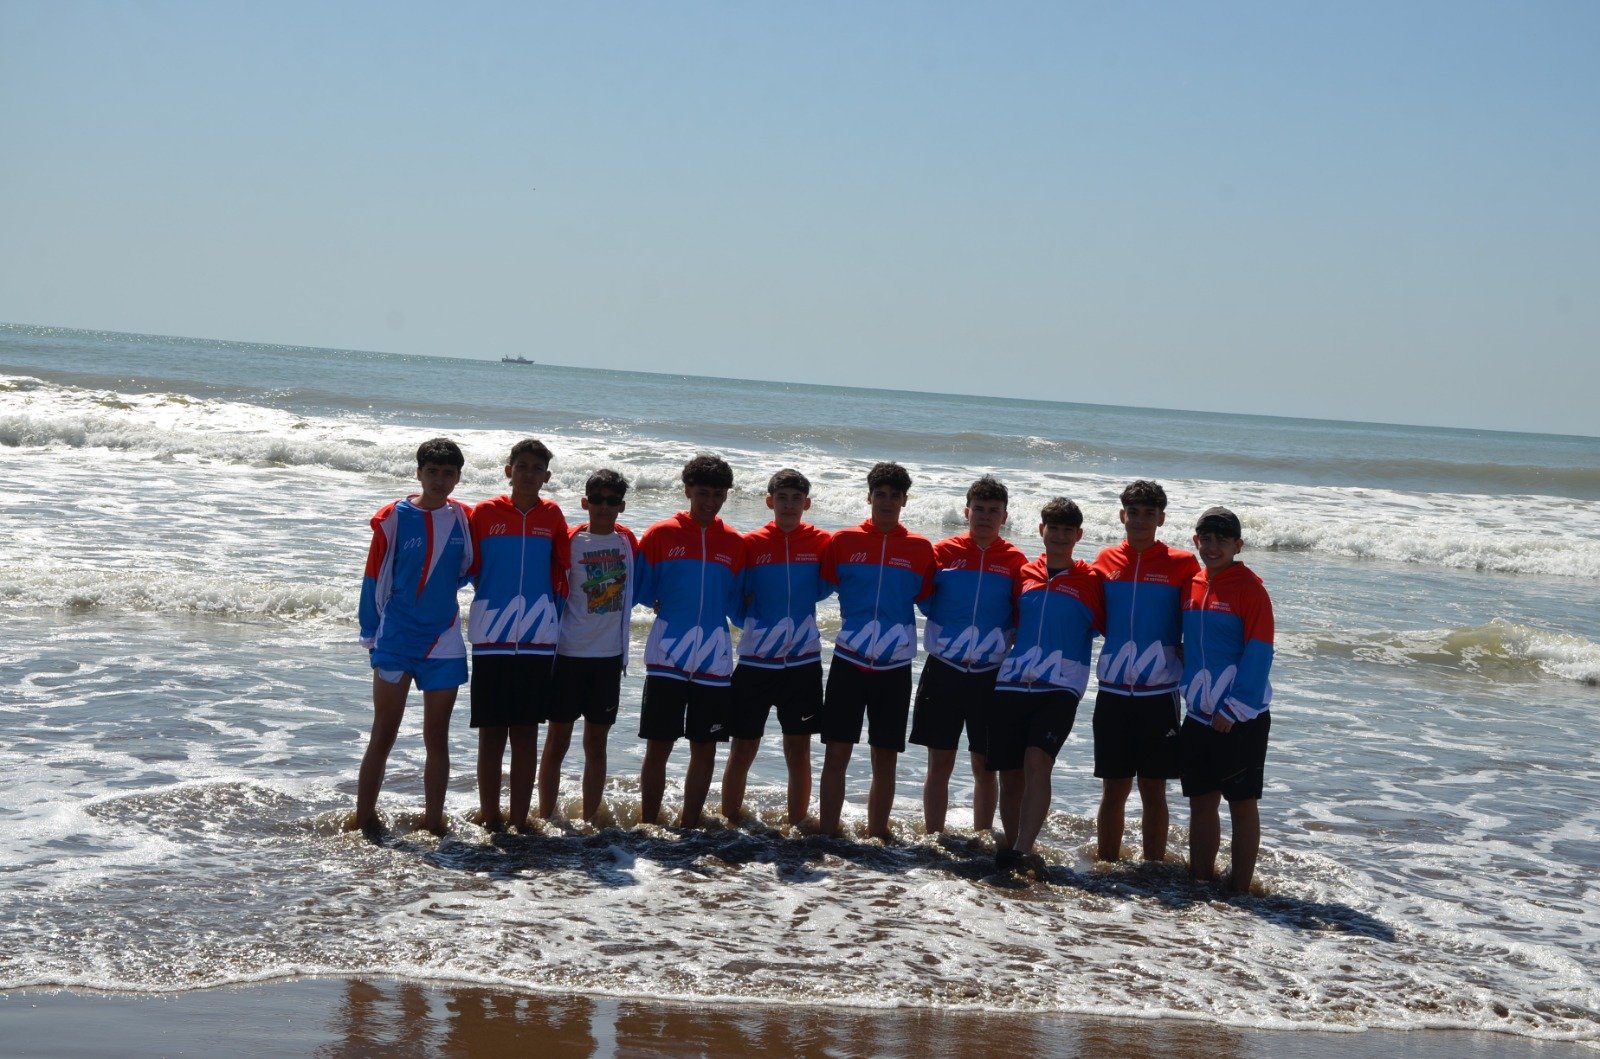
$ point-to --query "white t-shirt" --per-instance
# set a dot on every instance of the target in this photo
(599, 587)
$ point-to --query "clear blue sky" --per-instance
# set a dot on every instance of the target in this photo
(1382, 211)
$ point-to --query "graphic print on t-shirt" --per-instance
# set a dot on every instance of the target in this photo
(605, 576)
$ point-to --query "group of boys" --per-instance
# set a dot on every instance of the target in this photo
(1008, 652)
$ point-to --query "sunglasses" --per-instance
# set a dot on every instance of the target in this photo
(607, 501)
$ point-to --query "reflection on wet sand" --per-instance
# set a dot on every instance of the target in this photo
(356, 1018)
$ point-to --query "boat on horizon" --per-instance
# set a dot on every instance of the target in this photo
(517, 360)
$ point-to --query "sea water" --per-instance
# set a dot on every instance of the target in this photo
(185, 706)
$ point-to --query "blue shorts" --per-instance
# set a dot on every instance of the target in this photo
(430, 674)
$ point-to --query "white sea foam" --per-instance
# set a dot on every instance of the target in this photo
(261, 448)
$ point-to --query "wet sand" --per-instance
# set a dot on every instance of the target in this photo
(334, 1018)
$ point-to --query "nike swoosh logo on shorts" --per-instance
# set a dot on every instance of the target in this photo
(808, 717)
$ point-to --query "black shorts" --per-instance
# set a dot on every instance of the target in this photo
(796, 692)
(586, 687)
(1021, 719)
(947, 699)
(881, 696)
(674, 708)
(1231, 762)
(1137, 735)
(510, 690)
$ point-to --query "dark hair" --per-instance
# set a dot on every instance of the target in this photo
(605, 480)
(1145, 493)
(708, 470)
(789, 478)
(987, 488)
(530, 447)
(1061, 512)
(890, 474)
(441, 451)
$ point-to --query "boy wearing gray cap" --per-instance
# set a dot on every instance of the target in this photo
(1227, 654)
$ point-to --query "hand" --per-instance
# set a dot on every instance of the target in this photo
(1220, 722)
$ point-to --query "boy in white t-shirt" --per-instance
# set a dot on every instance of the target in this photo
(592, 651)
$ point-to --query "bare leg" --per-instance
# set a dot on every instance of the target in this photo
(1035, 797)
(935, 787)
(1205, 836)
(734, 774)
(797, 756)
(1109, 824)
(1153, 798)
(830, 796)
(556, 741)
(880, 796)
(388, 708)
(984, 792)
(653, 779)
(594, 767)
(436, 708)
(1245, 817)
(697, 781)
(524, 763)
(1011, 784)
(491, 749)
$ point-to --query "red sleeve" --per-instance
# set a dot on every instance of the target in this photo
(560, 549)
(1257, 615)
(928, 571)
(1097, 600)
(379, 545)
(830, 559)
(475, 522)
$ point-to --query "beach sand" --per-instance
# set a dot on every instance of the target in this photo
(372, 1017)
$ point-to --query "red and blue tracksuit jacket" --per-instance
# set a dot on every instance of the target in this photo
(520, 569)
(1057, 620)
(1144, 594)
(880, 578)
(778, 601)
(1227, 645)
(691, 574)
(970, 613)
(416, 563)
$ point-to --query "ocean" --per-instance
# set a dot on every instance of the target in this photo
(186, 707)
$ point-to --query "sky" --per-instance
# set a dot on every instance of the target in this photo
(1366, 210)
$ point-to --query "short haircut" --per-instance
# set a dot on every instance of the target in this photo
(1145, 493)
(890, 474)
(442, 451)
(789, 478)
(530, 447)
(1061, 512)
(708, 470)
(988, 488)
(605, 480)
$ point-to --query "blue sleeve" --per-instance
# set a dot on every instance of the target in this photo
(1250, 682)
(368, 613)
(743, 588)
(643, 590)
(733, 604)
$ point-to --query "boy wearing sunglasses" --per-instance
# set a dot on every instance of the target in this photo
(593, 651)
